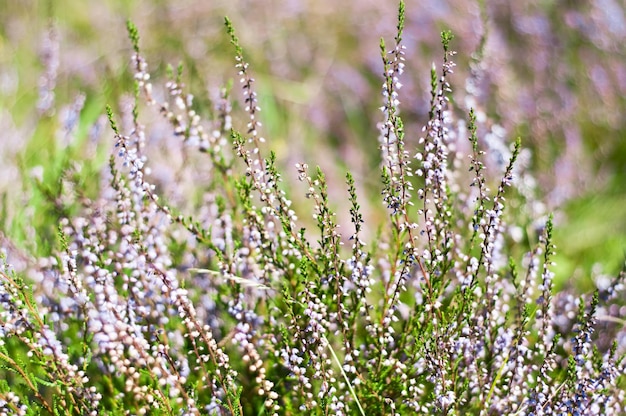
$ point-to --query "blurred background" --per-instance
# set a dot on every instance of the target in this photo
(550, 72)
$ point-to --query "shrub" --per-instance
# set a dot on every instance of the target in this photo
(204, 293)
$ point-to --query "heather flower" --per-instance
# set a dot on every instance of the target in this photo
(191, 278)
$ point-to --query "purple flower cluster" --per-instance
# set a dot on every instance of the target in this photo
(188, 284)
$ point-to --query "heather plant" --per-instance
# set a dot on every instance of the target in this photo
(183, 281)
